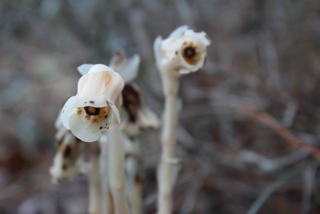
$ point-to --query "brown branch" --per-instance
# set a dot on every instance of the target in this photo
(283, 132)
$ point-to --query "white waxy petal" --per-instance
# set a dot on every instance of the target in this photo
(66, 110)
(126, 67)
(183, 52)
(79, 127)
(157, 51)
(84, 68)
(93, 88)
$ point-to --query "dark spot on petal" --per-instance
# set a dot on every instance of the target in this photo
(67, 153)
(91, 101)
(131, 101)
(64, 167)
(91, 110)
(131, 138)
(189, 52)
(101, 127)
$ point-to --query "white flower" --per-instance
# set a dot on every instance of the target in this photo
(127, 67)
(184, 51)
(67, 162)
(139, 116)
(91, 111)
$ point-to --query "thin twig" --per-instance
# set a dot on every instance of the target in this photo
(283, 132)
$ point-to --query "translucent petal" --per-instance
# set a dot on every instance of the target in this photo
(157, 51)
(84, 68)
(79, 127)
(114, 109)
(66, 110)
(128, 68)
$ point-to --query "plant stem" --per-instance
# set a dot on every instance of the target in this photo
(165, 173)
(116, 168)
(94, 181)
(104, 175)
(133, 175)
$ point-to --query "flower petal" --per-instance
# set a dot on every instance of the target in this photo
(157, 51)
(114, 109)
(129, 69)
(177, 33)
(79, 127)
(126, 67)
(66, 110)
(84, 68)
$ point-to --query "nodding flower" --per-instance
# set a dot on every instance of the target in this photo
(184, 51)
(139, 116)
(92, 110)
(67, 162)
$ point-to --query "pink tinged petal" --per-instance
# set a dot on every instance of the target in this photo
(84, 68)
(114, 88)
(91, 87)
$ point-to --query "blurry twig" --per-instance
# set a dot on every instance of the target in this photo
(190, 199)
(267, 120)
(269, 165)
(308, 183)
(269, 190)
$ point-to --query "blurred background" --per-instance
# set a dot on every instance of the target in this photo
(249, 125)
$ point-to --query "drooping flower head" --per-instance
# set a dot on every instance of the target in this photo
(67, 162)
(139, 115)
(91, 111)
(184, 51)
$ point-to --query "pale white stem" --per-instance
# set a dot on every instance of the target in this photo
(134, 185)
(133, 175)
(94, 181)
(168, 140)
(136, 197)
(104, 175)
(116, 168)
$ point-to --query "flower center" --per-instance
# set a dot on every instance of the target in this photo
(189, 52)
(91, 110)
